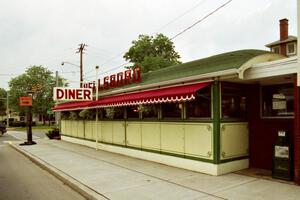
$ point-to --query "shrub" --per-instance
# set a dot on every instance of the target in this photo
(53, 134)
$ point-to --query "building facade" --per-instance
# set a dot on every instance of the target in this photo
(214, 115)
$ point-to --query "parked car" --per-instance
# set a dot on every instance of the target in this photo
(5, 121)
(2, 128)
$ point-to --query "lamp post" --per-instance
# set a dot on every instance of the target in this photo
(7, 110)
(29, 123)
(97, 87)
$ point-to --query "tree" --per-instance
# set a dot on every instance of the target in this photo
(3, 94)
(38, 78)
(152, 53)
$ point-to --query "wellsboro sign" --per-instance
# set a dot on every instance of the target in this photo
(117, 80)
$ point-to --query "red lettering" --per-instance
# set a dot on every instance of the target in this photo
(79, 94)
(85, 85)
(87, 94)
(127, 77)
(90, 85)
(59, 93)
(72, 94)
(112, 81)
(120, 79)
(136, 75)
(105, 83)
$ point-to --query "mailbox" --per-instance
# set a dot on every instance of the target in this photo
(282, 157)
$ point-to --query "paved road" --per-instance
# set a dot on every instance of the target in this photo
(21, 179)
(6, 137)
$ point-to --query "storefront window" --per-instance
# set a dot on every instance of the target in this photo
(201, 106)
(278, 101)
(114, 113)
(233, 101)
(172, 110)
(149, 111)
(132, 112)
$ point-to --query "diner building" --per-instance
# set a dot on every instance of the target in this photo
(214, 115)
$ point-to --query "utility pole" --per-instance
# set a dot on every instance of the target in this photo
(81, 51)
(7, 109)
(57, 114)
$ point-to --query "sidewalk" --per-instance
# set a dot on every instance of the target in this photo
(105, 175)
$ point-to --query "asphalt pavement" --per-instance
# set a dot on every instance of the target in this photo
(20, 179)
(106, 175)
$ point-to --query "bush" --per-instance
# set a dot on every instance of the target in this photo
(53, 134)
(17, 124)
(87, 114)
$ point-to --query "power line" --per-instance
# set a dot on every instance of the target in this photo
(200, 20)
(180, 16)
(175, 36)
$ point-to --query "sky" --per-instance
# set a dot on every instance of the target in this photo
(48, 32)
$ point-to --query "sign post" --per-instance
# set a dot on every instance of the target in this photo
(27, 102)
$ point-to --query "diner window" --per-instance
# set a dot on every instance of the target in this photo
(132, 112)
(201, 106)
(149, 111)
(114, 113)
(172, 110)
(278, 101)
(233, 101)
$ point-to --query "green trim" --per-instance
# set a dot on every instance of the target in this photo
(216, 121)
(234, 159)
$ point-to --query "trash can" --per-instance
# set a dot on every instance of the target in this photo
(282, 157)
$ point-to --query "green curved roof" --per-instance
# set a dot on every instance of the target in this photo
(210, 64)
(220, 62)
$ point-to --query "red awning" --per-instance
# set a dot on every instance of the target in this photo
(78, 105)
(170, 94)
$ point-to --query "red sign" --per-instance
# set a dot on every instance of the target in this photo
(25, 101)
(117, 80)
(72, 94)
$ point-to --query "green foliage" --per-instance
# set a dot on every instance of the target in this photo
(87, 114)
(53, 134)
(110, 112)
(65, 115)
(152, 53)
(34, 77)
(3, 94)
(74, 115)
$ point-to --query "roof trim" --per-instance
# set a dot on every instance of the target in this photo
(270, 69)
(258, 59)
(291, 38)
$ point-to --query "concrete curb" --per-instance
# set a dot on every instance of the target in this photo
(82, 189)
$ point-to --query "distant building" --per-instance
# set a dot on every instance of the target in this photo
(287, 45)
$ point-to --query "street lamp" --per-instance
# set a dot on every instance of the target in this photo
(97, 87)
(29, 122)
(65, 62)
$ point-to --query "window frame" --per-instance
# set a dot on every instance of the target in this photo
(185, 117)
(287, 48)
(240, 119)
(261, 104)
